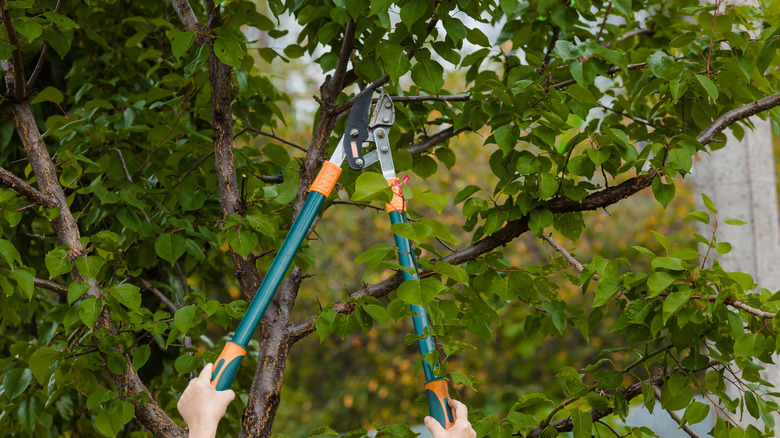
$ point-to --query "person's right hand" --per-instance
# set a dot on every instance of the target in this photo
(460, 429)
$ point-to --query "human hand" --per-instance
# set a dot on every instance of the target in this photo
(202, 406)
(461, 428)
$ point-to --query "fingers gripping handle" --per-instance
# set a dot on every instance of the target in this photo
(226, 366)
(438, 396)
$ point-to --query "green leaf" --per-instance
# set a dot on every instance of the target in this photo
(89, 310)
(372, 186)
(185, 363)
(182, 43)
(735, 222)
(420, 292)
(377, 312)
(673, 303)
(61, 21)
(170, 247)
(242, 242)
(569, 224)
(428, 75)
(28, 28)
(107, 424)
(700, 216)
(660, 64)
(25, 281)
(76, 290)
(379, 6)
(16, 382)
(539, 219)
(57, 262)
(395, 60)
(465, 193)
(49, 94)
(141, 355)
(657, 283)
(412, 11)
(229, 51)
(454, 272)
(89, 266)
(9, 252)
(709, 204)
(664, 193)
(186, 318)
(696, 412)
(40, 361)
(506, 138)
(129, 295)
(323, 430)
(567, 50)
(670, 263)
(709, 86)
(624, 6)
(582, 423)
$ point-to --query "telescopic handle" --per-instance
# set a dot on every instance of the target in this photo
(227, 364)
(435, 387)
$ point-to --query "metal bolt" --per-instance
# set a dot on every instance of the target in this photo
(380, 133)
(388, 104)
(385, 119)
(359, 162)
(353, 132)
(384, 149)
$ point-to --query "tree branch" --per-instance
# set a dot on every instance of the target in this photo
(14, 83)
(25, 189)
(419, 148)
(335, 84)
(428, 98)
(515, 228)
(50, 285)
(186, 15)
(631, 34)
(629, 393)
(644, 122)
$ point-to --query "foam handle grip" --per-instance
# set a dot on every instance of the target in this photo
(437, 402)
(226, 366)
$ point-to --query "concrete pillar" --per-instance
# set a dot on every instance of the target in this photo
(740, 180)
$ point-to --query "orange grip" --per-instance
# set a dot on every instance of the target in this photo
(398, 203)
(437, 389)
(326, 179)
(226, 366)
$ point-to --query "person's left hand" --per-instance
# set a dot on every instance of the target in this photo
(202, 406)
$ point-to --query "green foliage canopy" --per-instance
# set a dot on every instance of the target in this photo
(125, 127)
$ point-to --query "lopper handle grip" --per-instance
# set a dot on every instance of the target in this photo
(226, 366)
(438, 408)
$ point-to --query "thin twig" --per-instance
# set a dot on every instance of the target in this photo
(604, 22)
(360, 204)
(159, 294)
(566, 256)
(644, 122)
(18, 91)
(124, 165)
(428, 98)
(44, 53)
(271, 135)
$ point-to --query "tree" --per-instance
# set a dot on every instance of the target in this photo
(126, 126)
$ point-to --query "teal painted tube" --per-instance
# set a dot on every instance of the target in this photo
(435, 387)
(227, 364)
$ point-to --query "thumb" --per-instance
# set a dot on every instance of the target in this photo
(227, 395)
(434, 426)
